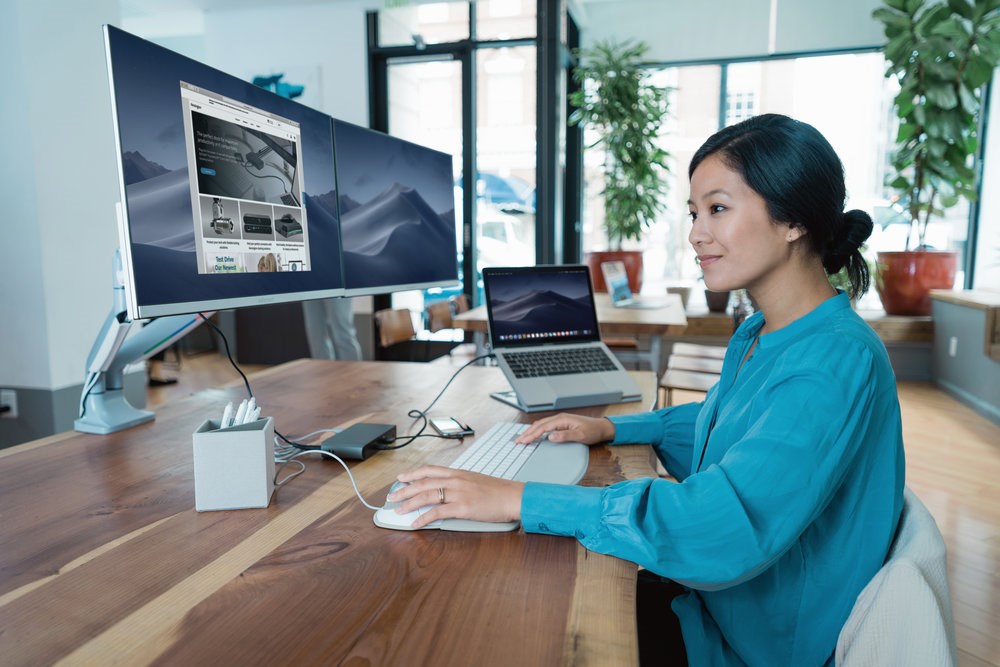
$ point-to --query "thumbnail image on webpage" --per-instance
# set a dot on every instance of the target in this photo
(246, 186)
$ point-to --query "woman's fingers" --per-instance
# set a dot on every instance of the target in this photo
(457, 494)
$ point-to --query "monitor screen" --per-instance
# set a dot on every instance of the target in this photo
(229, 192)
(397, 212)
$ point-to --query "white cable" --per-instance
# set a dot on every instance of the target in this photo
(332, 456)
(302, 469)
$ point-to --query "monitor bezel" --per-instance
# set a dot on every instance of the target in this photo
(136, 310)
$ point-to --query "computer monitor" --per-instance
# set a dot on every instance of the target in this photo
(397, 212)
(228, 191)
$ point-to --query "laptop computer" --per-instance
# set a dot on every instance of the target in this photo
(543, 330)
(621, 294)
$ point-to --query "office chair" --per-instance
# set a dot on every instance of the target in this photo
(903, 616)
(395, 327)
(439, 316)
(459, 303)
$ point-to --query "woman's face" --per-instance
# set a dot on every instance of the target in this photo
(738, 245)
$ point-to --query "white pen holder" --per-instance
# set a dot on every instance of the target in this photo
(233, 467)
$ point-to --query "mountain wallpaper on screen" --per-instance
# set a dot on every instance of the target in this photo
(137, 168)
(542, 312)
(396, 238)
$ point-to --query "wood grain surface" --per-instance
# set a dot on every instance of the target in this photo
(105, 560)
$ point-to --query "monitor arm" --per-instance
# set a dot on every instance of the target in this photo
(103, 406)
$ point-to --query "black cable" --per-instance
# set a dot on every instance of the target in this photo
(422, 414)
(225, 343)
(91, 383)
(415, 414)
(246, 382)
(453, 376)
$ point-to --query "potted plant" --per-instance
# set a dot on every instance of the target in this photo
(942, 54)
(618, 100)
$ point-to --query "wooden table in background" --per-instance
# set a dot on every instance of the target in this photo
(104, 559)
(656, 323)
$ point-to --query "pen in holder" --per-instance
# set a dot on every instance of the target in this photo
(233, 467)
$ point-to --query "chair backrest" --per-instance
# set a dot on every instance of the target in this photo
(903, 616)
(439, 316)
(459, 303)
(394, 326)
(691, 367)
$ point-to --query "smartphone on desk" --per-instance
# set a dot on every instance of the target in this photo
(449, 427)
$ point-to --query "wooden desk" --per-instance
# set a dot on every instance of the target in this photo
(104, 559)
(655, 323)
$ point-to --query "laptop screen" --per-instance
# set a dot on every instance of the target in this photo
(536, 305)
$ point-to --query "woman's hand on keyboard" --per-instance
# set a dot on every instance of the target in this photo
(465, 495)
(570, 428)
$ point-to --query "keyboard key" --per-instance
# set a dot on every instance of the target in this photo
(543, 363)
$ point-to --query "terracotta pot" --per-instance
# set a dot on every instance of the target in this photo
(904, 279)
(633, 267)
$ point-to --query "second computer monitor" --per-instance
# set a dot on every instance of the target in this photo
(397, 212)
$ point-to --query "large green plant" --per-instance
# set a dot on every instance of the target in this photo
(942, 54)
(618, 100)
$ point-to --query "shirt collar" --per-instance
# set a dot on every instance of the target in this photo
(783, 336)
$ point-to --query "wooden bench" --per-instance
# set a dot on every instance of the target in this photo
(690, 367)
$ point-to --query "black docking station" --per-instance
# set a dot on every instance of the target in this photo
(359, 441)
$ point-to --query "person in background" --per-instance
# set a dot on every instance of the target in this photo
(330, 329)
(789, 475)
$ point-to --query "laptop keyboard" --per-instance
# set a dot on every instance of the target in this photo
(543, 363)
(495, 453)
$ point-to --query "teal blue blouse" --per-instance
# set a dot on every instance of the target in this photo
(790, 485)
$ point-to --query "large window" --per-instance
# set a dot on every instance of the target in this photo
(505, 151)
(461, 77)
(845, 96)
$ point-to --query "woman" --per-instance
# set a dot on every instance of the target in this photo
(790, 473)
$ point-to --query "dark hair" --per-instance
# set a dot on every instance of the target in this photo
(798, 174)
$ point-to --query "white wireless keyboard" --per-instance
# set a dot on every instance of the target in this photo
(495, 453)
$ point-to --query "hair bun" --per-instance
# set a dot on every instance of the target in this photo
(857, 228)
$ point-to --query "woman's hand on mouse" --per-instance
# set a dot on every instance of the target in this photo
(570, 428)
(458, 494)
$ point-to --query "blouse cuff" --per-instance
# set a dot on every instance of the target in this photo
(560, 509)
(643, 428)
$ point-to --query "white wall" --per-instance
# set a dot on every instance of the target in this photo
(321, 46)
(58, 176)
(686, 30)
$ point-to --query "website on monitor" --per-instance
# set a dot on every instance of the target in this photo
(245, 169)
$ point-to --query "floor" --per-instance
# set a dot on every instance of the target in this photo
(952, 464)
